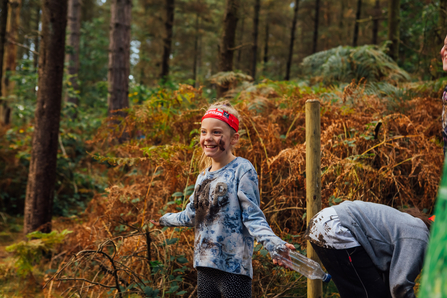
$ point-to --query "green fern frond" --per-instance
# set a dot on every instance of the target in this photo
(343, 64)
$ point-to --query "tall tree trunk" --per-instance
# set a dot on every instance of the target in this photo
(72, 55)
(341, 23)
(255, 38)
(292, 40)
(393, 27)
(375, 29)
(356, 24)
(119, 57)
(42, 170)
(266, 43)
(241, 40)
(36, 37)
(196, 51)
(442, 21)
(316, 21)
(167, 41)
(10, 57)
(226, 48)
(3, 24)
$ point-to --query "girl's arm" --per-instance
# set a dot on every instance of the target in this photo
(186, 218)
(252, 215)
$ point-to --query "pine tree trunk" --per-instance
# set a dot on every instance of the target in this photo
(241, 40)
(442, 21)
(3, 23)
(266, 43)
(72, 55)
(36, 37)
(292, 40)
(375, 29)
(167, 41)
(255, 38)
(196, 51)
(119, 58)
(226, 50)
(356, 24)
(393, 27)
(341, 23)
(10, 57)
(42, 170)
(316, 21)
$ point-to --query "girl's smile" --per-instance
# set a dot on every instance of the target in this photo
(216, 140)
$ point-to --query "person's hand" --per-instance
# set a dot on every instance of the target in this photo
(155, 223)
(279, 262)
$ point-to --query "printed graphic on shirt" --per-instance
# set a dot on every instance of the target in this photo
(208, 202)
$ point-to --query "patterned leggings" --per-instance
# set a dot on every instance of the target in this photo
(214, 283)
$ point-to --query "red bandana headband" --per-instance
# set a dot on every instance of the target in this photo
(223, 116)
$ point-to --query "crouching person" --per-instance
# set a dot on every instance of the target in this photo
(371, 250)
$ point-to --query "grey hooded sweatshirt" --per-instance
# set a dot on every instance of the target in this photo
(395, 241)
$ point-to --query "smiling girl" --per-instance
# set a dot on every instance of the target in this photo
(225, 211)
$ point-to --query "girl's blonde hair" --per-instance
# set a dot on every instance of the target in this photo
(204, 161)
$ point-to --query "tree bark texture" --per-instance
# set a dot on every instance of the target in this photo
(167, 41)
(393, 27)
(119, 57)
(10, 57)
(3, 23)
(356, 25)
(375, 29)
(42, 171)
(316, 18)
(266, 43)
(196, 51)
(442, 21)
(226, 49)
(292, 40)
(36, 37)
(72, 55)
(257, 8)
(241, 40)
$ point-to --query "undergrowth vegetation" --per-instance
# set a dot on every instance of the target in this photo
(371, 151)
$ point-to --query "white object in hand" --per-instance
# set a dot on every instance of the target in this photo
(298, 262)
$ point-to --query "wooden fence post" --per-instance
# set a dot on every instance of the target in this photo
(313, 182)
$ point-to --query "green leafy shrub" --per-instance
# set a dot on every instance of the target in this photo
(344, 64)
(30, 252)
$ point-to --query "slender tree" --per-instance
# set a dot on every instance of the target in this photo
(375, 29)
(167, 41)
(356, 24)
(442, 20)
(393, 27)
(341, 23)
(72, 55)
(266, 40)
(226, 48)
(316, 21)
(42, 170)
(119, 57)
(241, 40)
(3, 23)
(36, 32)
(257, 8)
(10, 57)
(196, 50)
(292, 40)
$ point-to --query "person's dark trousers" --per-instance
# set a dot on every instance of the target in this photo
(354, 273)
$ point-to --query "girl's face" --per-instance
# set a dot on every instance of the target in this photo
(444, 55)
(216, 139)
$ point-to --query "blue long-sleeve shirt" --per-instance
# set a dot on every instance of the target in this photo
(225, 211)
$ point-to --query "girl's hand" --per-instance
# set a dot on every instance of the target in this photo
(276, 261)
(156, 223)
